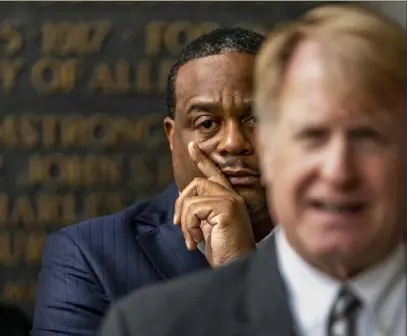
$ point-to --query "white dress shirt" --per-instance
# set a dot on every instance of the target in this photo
(382, 291)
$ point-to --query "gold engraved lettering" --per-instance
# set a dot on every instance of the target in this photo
(49, 131)
(152, 77)
(143, 77)
(173, 35)
(4, 210)
(50, 75)
(9, 72)
(206, 27)
(77, 131)
(75, 170)
(74, 38)
(72, 130)
(102, 79)
(23, 211)
(51, 67)
(116, 81)
(13, 39)
(52, 209)
(29, 134)
(19, 291)
(46, 169)
(68, 74)
(28, 131)
(33, 247)
(154, 37)
(174, 32)
(123, 76)
(95, 131)
(45, 209)
(10, 249)
(8, 132)
(102, 131)
(144, 131)
(1, 167)
(19, 246)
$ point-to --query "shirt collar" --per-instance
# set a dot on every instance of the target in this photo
(374, 283)
(312, 293)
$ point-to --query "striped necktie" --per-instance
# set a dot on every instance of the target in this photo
(342, 319)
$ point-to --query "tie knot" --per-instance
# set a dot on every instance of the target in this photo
(345, 305)
(343, 314)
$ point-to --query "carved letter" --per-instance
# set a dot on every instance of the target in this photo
(13, 38)
(9, 72)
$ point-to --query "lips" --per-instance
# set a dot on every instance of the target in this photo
(242, 177)
(339, 207)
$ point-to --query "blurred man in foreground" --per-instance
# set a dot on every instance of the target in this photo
(88, 266)
(330, 97)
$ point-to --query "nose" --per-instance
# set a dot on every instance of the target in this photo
(338, 166)
(235, 140)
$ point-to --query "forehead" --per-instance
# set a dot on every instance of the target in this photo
(308, 94)
(213, 76)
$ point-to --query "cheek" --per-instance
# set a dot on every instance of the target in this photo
(291, 178)
(293, 172)
(184, 167)
(179, 158)
(383, 180)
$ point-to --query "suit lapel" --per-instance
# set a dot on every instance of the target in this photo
(268, 302)
(163, 242)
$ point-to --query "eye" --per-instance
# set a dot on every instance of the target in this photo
(365, 134)
(367, 138)
(206, 125)
(312, 134)
(311, 137)
(251, 121)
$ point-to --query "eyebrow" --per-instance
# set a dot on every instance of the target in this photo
(213, 106)
(208, 106)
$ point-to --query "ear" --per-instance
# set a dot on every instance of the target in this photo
(169, 127)
(264, 153)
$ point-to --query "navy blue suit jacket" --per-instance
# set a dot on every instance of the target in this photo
(88, 266)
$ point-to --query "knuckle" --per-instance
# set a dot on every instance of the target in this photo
(188, 204)
(218, 171)
(230, 203)
(199, 180)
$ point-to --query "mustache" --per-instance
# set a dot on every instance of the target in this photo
(234, 163)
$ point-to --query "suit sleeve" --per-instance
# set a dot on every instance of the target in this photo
(70, 300)
(115, 324)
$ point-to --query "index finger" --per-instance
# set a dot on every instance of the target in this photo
(206, 166)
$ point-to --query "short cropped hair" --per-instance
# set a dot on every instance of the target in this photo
(216, 42)
(365, 52)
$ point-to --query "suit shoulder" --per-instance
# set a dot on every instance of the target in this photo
(176, 298)
(193, 287)
(111, 222)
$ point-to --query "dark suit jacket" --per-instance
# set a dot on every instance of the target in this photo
(88, 266)
(245, 298)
